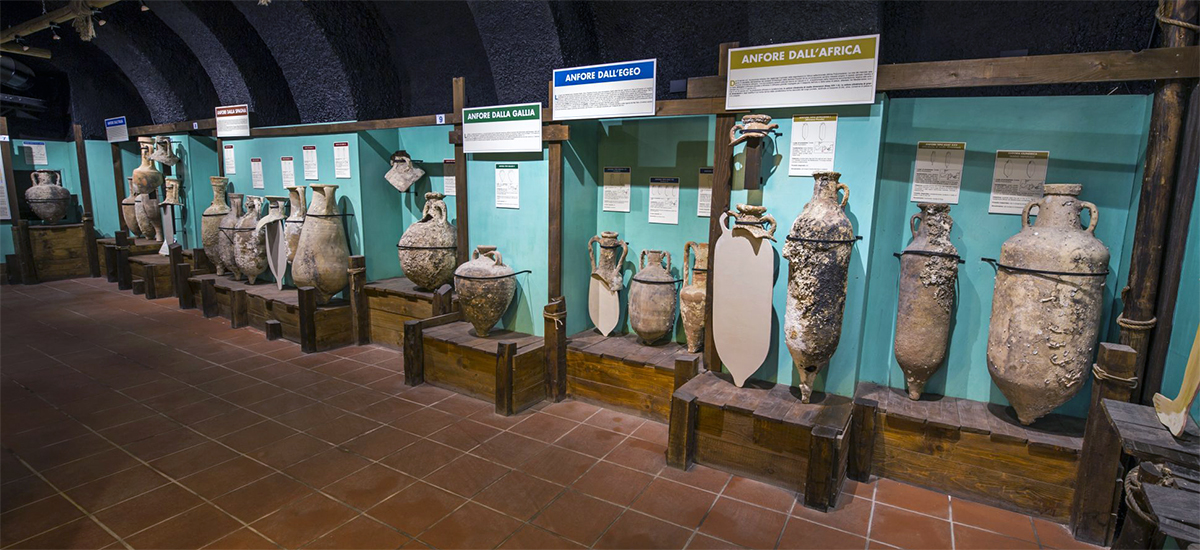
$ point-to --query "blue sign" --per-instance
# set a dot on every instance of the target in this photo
(612, 90)
(613, 72)
(118, 121)
(116, 130)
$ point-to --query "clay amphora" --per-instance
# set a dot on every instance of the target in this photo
(752, 126)
(402, 174)
(485, 287)
(295, 219)
(1044, 326)
(173, 186)
(652, 297)
(47, 197)
(249, 243)
(427, 247)
(928, 272)
(271, 227)
(129, 211)
(607, 281)
(743, 281)
(148, 216)
(323, 255)
(818, 254)
(210, 222)
(694, 294)
(162, 152)
(146, 178)
(226, 240)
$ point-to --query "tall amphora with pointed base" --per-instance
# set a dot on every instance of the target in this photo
(323, 254)
(210, 222)
(743, 279)
(928, 273)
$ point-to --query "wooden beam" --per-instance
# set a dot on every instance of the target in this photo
(207, 124)
(463, 249)
(42, 22)
(6, 152)
(359, 313)
(119, 181)
(722, 188)
(85, 182)
(31, 52)
(181, 127)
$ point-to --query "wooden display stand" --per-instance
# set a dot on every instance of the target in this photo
(616, 371)
(57, 252)
(763, 431)
(393, 302)
(504, 367)
(969, 449)
(289, 313)
(107, 251)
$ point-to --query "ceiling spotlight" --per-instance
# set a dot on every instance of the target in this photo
(144, 6)
(54, 32)
(99, 17)
(24, 44)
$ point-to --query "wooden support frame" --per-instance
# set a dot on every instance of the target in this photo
(722, 188)
(238, 314)
(461, 212)
(119, 182)
(359, 313)
(307, 297)
(124, 276)
(273, 329)
(24, 250)
(208, 298)
(85, 197)
(183, 289)
(414, 356)
(555, 331)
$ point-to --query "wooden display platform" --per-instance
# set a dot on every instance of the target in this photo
(763, 431)
(137, 247)
(616, 371)
(58, 251)
(289, 313)
(393, 302)
(504, 367)
(968, 449)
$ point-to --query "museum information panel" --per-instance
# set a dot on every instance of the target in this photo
(599, 91)
(503, 129)
(839, 71)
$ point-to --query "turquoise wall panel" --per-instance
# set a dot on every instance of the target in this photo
(383, 211)
(60, 155)
(429, 147)
(581, 207)
(1187, 313)
(105, 213)
(197, 162)
(1096, 141)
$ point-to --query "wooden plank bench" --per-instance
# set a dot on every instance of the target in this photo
(393, 302)
(315, 328)
(616, 371)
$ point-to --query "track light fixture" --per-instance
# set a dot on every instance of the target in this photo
(54, 32)
(99, 17)
(143, 5)
(24, 44)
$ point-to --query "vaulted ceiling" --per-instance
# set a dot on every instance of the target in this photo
(321, 61)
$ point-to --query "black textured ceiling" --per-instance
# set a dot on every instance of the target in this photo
(323, 61)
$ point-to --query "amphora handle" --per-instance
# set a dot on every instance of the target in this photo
(1094, 217)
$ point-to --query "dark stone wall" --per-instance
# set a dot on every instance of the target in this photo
(316, 61)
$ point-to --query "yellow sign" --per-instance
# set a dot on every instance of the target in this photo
(848, 49)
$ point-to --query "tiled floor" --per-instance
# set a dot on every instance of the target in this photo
(130, 423)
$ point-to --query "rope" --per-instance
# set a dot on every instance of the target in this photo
(930, 253)
(559, 317)
(834, 241)
(356, 270)
(410, 247)
(996, 263)
(1103, 375)
(1130, 324)
(1132, 483)
(1161, 16)
(645, 282)
(479, 277)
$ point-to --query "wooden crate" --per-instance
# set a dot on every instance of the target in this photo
(392, 302)
(763, 431)
(973, 450)
(154, 270)
(506, 367)
(326, 327)
(618, 372)
(59, 251)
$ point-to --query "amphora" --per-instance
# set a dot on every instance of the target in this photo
(249, 243)
(485, 287)
(694, 294)
(295, 220)
(323, 254)
(607, 280)
(427, 248)
(228, 229)
(743, 281)
(928, 272)
(129, 211)
(47, 197)
(210, 222)
(652, 297)
(146, 178)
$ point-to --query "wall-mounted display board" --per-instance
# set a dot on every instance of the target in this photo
(605, 91)
(839, 71)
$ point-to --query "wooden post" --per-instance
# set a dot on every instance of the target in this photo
(274, 329)
(821, 491)
(686, 368)
(239, 314)
(460, 175)
(110, 262)
(414, 354)
(1136, 531)
(359, 313)
(89, 245)
(752, 171)
(200, 260)
(308, 321)
(174, 260)
(119, 181)
(862, 436)
(208, 298)
(443, 300)
(506, 352)
(24, 250)
(85, 196)
(148, 281)
(555, 349)
(555, 248)
(681, 435)
(1098, 481)
(722, 186)
(6, 152)
(124, 277)
(1137, 320)
(183, 289)
(220, 157)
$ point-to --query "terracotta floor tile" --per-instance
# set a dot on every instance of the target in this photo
(425, 421)
(519, 495)
(851, 514)
(416, 508)
(192, 529)
(495, 420)
(558, 465)
(229, 384)
(743, 524)
(762, 494)
(389, 410)
(343, 429)
(324, 388)
(654, 432)
(392, 385)
(281, 404)
(616, 484)
(380, 442)
(464, 434)
(909, 530)
(571, 409)
(859, 489)
(470, 527)
(577, 517)
(226, 476)
(145, 510)
(99, 420)
(801, 534)
(530, 537)
(421, 458)
(258, 435)
(228, 423)
(139, 429)
(1056, 535)
(509, 449)
(289, 450)
(106, 491)
(81, 533)
(242, 539)
(303, 379)
(544, 427)
(355, 399)
(164, 444)
(675, 502)
(639, 455)
(1006, 523)
(461, 405)
(366, 375)
(590, 440)
(304, 520)
(467, 475)
(30, 520)
(15, 494)
(253, 394)
(82, 471)
(262, 497)
(199, 411)
(699, 476)
(368, 486)
(615, 421)
(311, 360)
(912, 498)
(633, 531)
(311, 416)
(360, 533)
(970, 538)
(377, 356)
(327, 467)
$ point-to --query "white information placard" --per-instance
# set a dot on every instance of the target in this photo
(230, 160)
(1017, 180)
(664, 200)
(116, 129)
(503, 129)
(35, 152)
(310, 162)
(256, 174)
(610, 90)
(341, 159)
(704, 192)
(508, 186)
(449, 178)
(233, 121)
(616, 188)
(287, 167)
(838, 71)
(5, 213)
(937, 174)
(814, 138)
